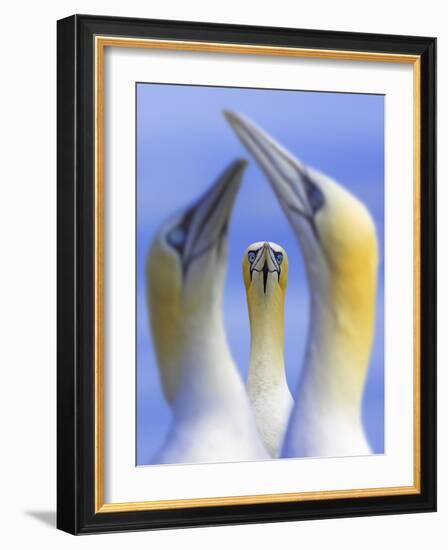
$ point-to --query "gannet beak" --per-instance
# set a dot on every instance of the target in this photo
(208, 217)
(290, 180)
(265, 263)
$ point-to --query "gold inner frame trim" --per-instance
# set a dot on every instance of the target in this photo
(101, 42)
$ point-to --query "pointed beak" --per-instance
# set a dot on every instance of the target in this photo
(208, 218)
(265, 263)
(289, 178)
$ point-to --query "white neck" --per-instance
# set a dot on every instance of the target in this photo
(208, 372)
(266, 384)
(327, 419)
(266, 354)
(212, 418)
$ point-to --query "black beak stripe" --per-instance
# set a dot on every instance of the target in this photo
(265, 269)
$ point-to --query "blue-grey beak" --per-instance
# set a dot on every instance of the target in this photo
(204, 224)
(289, 178)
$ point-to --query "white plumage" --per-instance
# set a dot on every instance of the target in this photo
(212, 418)
(339, 245)
(265, 273)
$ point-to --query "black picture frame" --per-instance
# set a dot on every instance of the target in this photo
(76, 512)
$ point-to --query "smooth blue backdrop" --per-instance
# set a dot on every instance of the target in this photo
(183, 143)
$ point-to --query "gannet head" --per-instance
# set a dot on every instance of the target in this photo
(265, 275)
(265, 272)
(335, 231)
(185, 274)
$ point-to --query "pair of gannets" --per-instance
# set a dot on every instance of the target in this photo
(213, 419)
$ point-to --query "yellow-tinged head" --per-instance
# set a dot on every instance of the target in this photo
(185, 275)
(265, 271)
(265, 275)
(336, 234)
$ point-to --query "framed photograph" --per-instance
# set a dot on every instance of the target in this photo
(246, 274)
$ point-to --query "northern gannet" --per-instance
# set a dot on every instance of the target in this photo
(338, 241)
(265, 274)
(212, 417)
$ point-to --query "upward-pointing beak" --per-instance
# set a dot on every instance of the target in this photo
(288, 177)
(208, 218)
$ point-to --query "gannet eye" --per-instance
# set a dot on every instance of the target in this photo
(279, 257)
(177, 237)
(251, 256)
(315, 197)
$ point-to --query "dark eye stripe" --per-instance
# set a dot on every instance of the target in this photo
(259, 253)
(315, 195)
(177, 236)
(251, 255)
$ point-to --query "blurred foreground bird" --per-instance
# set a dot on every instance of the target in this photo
(212, 417)
(338, 241)
(265, 274)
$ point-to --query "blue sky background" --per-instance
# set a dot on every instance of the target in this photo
(183, 143)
